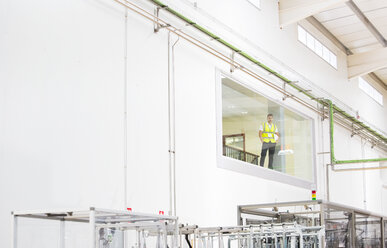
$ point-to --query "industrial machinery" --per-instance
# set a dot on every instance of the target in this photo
(94, 228)
(101, 228)
(344, 226)
(289, 235)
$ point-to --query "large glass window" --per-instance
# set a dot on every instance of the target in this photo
(283, 143)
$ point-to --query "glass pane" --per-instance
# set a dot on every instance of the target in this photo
(234, 141)
(256, 3)
(39, 233)
(310, 41)
(379, 98)
(318, 48)
(338, 227)
(326, 54)
(333, 59)
(368, 231)
(282, 141)
(301, 35)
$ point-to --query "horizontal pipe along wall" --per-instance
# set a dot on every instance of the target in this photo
(370, 132)
(373, 136)
(333, 158)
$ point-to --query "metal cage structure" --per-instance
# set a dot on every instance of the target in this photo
(345, 226)
(283, 235)
(101, 228)
(94, 228)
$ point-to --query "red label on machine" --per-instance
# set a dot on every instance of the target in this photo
(161, 212)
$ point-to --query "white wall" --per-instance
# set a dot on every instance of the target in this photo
(62, 113)
(61, 91)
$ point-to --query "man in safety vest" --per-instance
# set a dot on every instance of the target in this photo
(268, 134)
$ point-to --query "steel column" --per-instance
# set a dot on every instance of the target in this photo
(92, 228)
(14, 230)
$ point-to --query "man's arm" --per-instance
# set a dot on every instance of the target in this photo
(276, 132)
(260, 136)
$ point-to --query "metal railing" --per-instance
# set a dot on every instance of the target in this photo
(239, 154)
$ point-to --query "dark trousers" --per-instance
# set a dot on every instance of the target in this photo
(271, 148)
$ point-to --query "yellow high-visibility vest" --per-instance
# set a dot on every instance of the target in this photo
(268, 133)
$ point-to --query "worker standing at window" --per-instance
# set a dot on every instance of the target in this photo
(268, 134)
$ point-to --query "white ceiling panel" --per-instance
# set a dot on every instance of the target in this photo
(382, 74)
(333, 14)
(369, 5)
(348, 29)
(347, 20)
(362, 43)
(352, 32)
(363, 49)
(380, 23)
(376, 13)
(355, 36)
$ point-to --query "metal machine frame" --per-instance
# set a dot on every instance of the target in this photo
(320, 208)
(101, 218)
(169, 233)
(255, 236)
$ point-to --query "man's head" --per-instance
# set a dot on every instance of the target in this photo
(269, 118)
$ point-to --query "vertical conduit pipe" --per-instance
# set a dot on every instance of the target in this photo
(171, 125)
(363, 143)
(92, 228)
(125, 120)
(174, 140)
(169, 130)
(327, 193)
(125, 107)
(332, 148)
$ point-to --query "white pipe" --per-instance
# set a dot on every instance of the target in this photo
(62, 234)
(125, 121)
(171, 125)
(169, 129)
(14, 230)
(92, 228)
(324, 165)
(362, 143)
(174, 129)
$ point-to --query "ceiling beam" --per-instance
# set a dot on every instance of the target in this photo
(378, 80)
(360, 64)
(312, 20)
(291, 11)
(367, 23)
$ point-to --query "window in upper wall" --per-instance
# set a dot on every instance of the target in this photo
(371, 91)
(284, 144)
(316, 46)
(256, 3)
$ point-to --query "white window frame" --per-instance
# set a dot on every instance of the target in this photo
(312, 47)
(250, 169)
(370, 90)
(255, 3)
